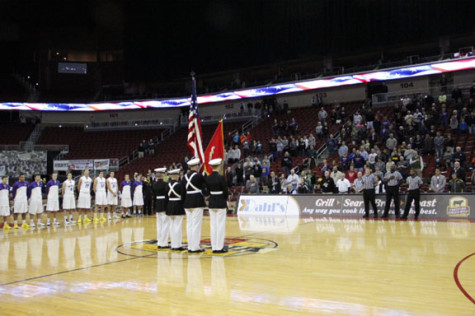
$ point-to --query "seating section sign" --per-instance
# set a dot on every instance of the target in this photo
(439, 206)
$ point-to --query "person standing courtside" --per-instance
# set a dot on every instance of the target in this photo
(160, 204)
(392, 179)
(414, 194)
(218, 191)
(176, 193)
(194, 204)
(369, 181)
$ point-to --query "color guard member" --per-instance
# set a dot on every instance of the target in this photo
(176, 193)
(194, 204)
(160, 205)
(218, 191)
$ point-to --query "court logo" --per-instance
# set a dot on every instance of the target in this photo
(236, 247)
(458, 207)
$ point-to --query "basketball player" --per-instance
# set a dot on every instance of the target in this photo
(35, 198)
(125, 196)
(100, 196)
(160, 204)
(218, 190)
(5, 202)
(84, 198)
(20, 205)
(52, 193)
(194, 204)
(112, 196)
(69, 202)
(138, 195)
(175, 193)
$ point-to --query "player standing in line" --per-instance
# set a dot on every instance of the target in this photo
(218, 190)
(176, 193)
(112, 196)
(125, 196)
(69, 202)
(35, 198)
(138, 195)
(20, 205)
(52, 204)
(84, 198)
(194, 204)
(5, 202)
(160, 204)
(100, 197)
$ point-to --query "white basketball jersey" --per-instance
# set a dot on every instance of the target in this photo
(101, 184)
(69, 189)
(85, 185)
(112, 184)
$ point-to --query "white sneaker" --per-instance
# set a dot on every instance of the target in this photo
(116, 216)
(72, 222)
(32, 224)
(57, 223)
(48, 224)
(66, 223)
(40, 224)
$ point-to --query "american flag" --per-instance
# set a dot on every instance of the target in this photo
(194, 125)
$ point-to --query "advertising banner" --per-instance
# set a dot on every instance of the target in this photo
(438, 206)
(82, 164)
(101, 164)
(61, 165)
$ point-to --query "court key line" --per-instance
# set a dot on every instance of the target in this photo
(457, 281)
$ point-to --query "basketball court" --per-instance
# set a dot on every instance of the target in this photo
(275, 266)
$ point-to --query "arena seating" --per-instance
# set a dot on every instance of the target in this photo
(88, 145)
(174, 149)
(12, 134)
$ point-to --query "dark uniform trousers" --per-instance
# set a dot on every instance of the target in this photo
(392, 193)
(369, 197)
(413, 195)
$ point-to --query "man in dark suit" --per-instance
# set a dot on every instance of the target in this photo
(459, 171)
(274, 184)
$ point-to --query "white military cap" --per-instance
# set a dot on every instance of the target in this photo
(193, 162)
(174, 171)
(215, 162)
(162, 170)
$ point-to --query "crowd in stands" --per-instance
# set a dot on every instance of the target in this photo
(14, 162)
(416, 130)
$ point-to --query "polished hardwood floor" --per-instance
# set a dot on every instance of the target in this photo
(276, 266)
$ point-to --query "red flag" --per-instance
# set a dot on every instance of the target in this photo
(194, 125)
(215, 148)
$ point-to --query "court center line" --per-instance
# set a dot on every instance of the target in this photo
(457, 280)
